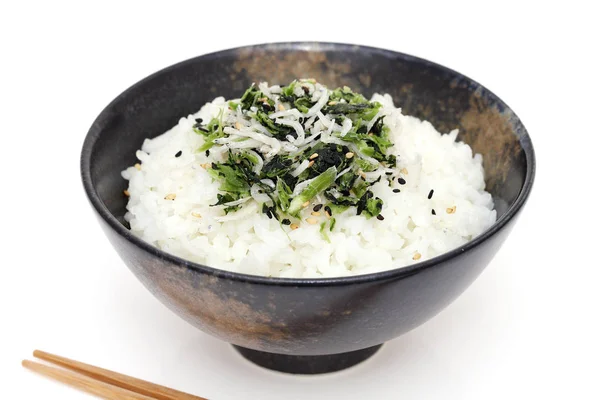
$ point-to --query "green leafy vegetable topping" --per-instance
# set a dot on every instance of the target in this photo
(324, 232)
(232, 178)
(213, 130)
(284, 194)
(303, 104)
(252, 165)
(317, 185)
(250, 97)
(224, 199)
(278, 166)
(279, 131)
(374, 206)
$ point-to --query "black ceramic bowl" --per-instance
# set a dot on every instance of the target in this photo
(308, 325)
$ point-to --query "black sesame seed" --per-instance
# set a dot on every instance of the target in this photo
(401, 181)
(389, 173)
(430, 195)
(199, 120)
(267, 107)
(317, 207)
(268, 212)
(286, 222)
(432, 211)
(328, 210)
(380, 217)
(178, 153)
(396, 190)
(207, 153)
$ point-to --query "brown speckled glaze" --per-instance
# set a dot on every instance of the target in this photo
(307, 317)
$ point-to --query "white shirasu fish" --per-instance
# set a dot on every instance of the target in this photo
(273, 143)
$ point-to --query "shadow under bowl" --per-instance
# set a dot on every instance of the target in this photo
(308, 325)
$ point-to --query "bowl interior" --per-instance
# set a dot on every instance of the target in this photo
(426, 90)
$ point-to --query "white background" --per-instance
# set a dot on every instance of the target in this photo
(527, 328)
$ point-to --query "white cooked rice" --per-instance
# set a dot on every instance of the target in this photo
(248, 242)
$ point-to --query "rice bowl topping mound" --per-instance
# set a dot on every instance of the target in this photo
(301, 181)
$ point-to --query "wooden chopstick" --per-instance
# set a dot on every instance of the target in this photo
(82, 382)
(103, 377)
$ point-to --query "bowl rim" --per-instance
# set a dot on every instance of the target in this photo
(98, 205)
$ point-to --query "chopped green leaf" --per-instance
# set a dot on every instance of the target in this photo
(284, 194)
(360, 188)
(391, 161)
(226, 198)
(378, 126)
(368, 205)
(347, 95)
(212, 131)
(374, 206)
(315, 187)
(341, 203)
(303, 104)
(235, 177)
(339, 208)
(245, 157)
(250, 97)
(279, 131)
(361, 205)
(277, 166)
(370, 144)
(289, 89)
(304, 175)
(324, 232)
(209, 142)
(232, 180)
(346, 108)
(346, 181)
(365, 166)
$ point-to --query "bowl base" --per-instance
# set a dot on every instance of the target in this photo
(307, 364)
